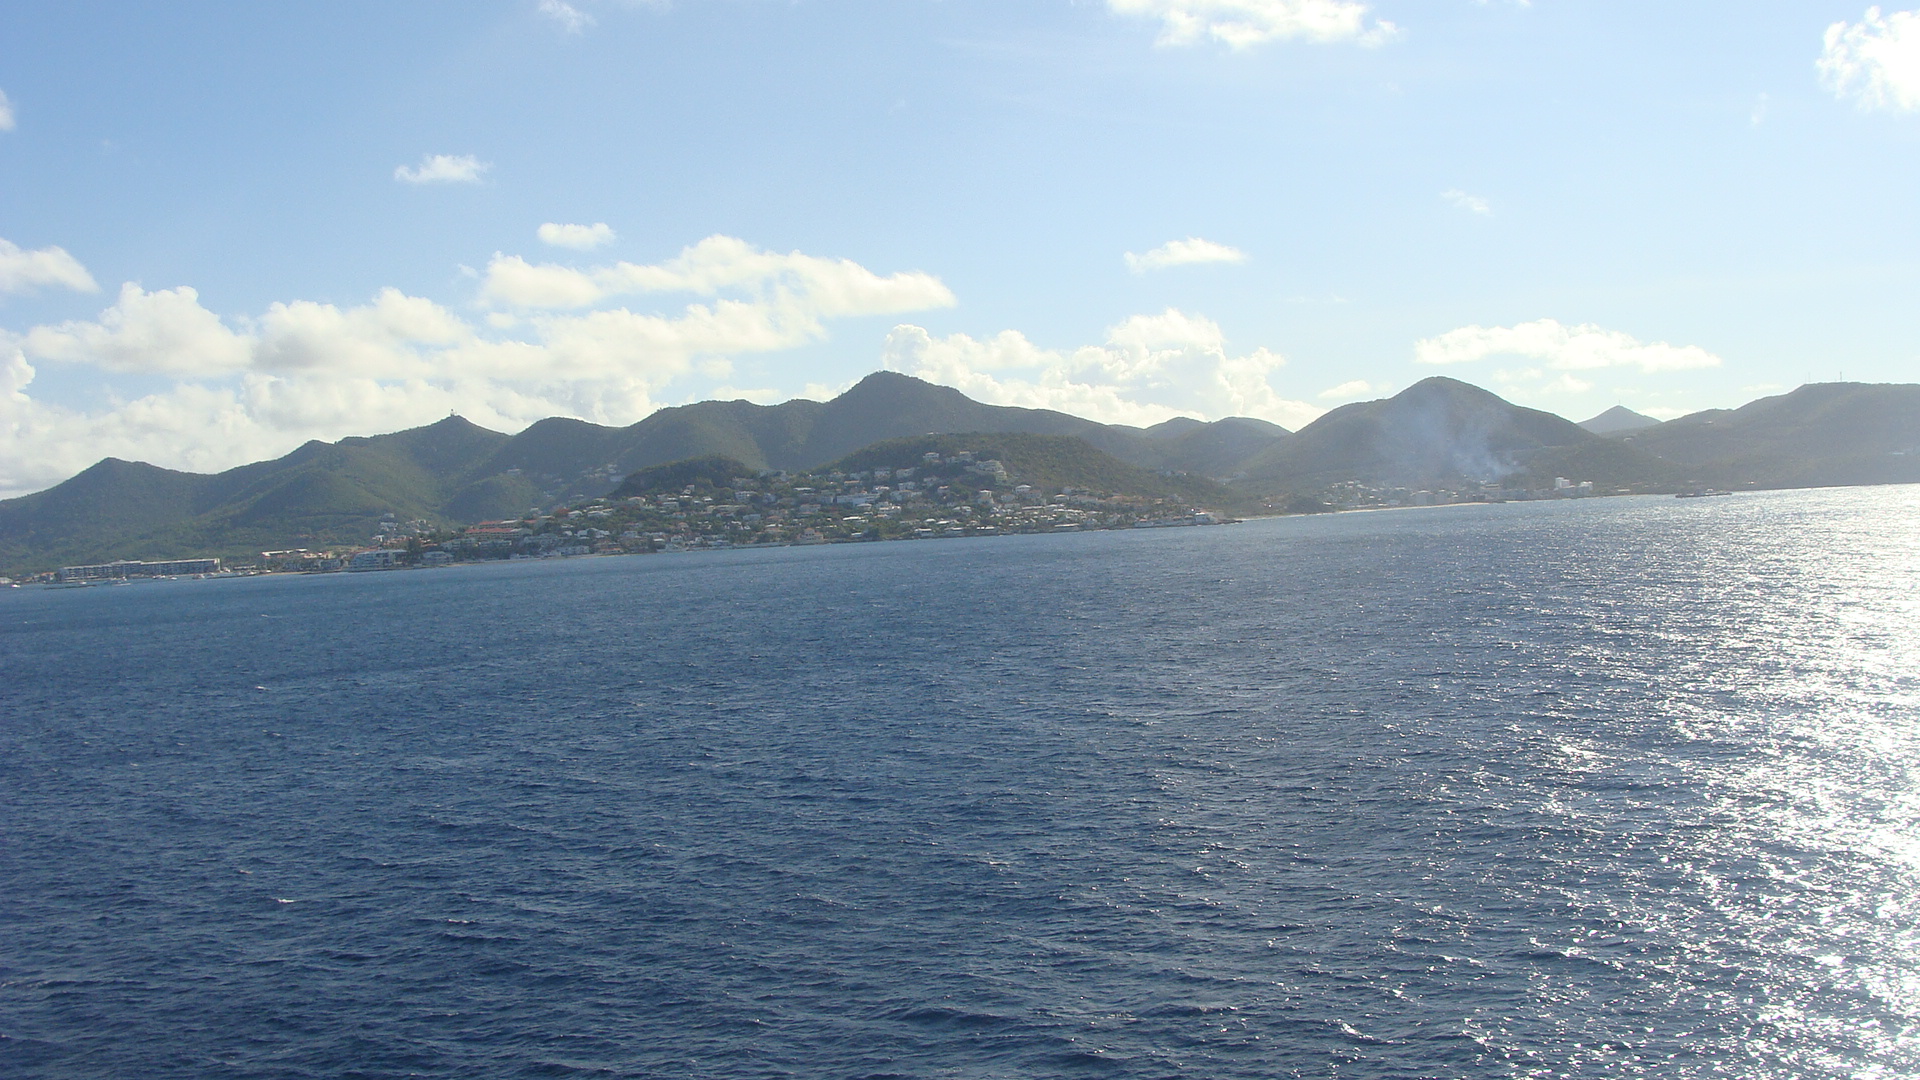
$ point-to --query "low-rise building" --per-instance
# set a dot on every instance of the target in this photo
(376, 559)
(124, 569)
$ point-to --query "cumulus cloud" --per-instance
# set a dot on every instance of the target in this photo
(1536, 383)
(1876, 61)
(252, 387)
(160, 333)
(570, 18)
(1350, 391)
(396, 336)
(1184, 253)
(208, 427)
(443, 169)
(6, 112)
(511, 281)
(1564, 348)
(22, 270)
(803, 286)
(577, 237)
(1242, 24)
(1149, 369)
(1472, 204)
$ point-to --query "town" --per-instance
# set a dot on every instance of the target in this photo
(717, 503)
(1354, 495)
(712, 503)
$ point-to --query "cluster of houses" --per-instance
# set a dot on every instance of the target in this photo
(938, 497)
(1354, 495)
(942, 496)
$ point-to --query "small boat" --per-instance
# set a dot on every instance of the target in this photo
(1701, 493)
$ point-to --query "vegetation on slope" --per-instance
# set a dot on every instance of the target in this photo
(1820, 434)
(1053, 461)
(1440, 432)
(1437, 432)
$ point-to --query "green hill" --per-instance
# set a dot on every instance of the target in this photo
(1048, 461)
(1442, 431)
(1818, 435)
(1045, 461)
(1437, 432)
(454, 472)
(112, 499)
(1618, 421)
(573, 459)
(320, 494)
(714, 470)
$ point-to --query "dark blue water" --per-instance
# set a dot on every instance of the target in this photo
(1609, 788)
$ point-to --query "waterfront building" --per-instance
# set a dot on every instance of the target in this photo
(376, 559)
(124, 569)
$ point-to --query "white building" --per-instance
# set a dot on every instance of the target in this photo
(377, 559)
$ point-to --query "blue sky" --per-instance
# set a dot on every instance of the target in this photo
(231, 228)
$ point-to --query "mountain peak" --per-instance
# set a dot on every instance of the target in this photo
(893, 386)
(453, 422)
(1618, 420)
(120, 470)
(889, 377)
(1435, 387)
(1437, 430)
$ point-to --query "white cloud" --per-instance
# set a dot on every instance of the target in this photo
(1241, 24)
(1535, 383)
(21, 270)
(577, 237)
(570, 18)
(168, 332)
(1875, 62)
(443, 169)
(164, 333)
(250, 388)
(1564, 348)
(801, 286)
(512, 281)
(1473, 204)
(1184, 253)
(396, 336)
(1150, 368)
(6, 112)
(205, 427)
(815, 391)
(1350, 391)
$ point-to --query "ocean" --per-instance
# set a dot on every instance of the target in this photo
(1599, 788)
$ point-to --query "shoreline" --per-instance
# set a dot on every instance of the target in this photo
(847, 541)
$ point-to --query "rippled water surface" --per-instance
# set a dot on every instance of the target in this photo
(1611, 788)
